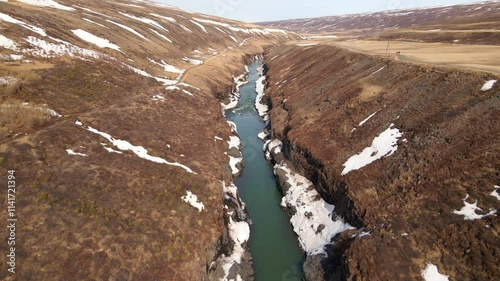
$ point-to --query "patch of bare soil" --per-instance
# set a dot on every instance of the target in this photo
(406, 201)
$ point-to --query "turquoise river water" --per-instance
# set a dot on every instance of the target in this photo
(275, 250)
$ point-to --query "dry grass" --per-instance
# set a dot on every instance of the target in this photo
(469, 56)
(17, 116)
(21, 78)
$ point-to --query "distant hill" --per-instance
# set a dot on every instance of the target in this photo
(484, 15)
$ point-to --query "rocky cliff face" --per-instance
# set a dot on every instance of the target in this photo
(406, 153)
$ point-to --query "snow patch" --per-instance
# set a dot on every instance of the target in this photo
(363, 234)
(263, 135)
(171, 88)
(200, 26)
(137, 150)
(110, 150)
(244, 41)
(212, 22)
(239, 232)
(158, 97)
(98, 41)
(130, 5)
(383, 145)
(234, 141)
(9, 19)
(274, 146)
(313, 221)
(469, 211)
(192, 199)
(185, 28)
(495, 192)
(145, 20)
(161, 35)
(233, 162)
(219, 29)
(234, 129)
(488, 85)
(234, 39)
(431, 273)
(234, 97)
(96, 23)
(382, 68)
(43, 109)
(189, 86)
(7, 43)
(167, 67)
(366, 120)
(322, 36)
(163, 17)
(192, 61)
(90, 11)
(7, 80)
(306, 44)
(71, 152)
(127, 28)
(239, 29)
(261, 108)
(165, 81)
(47, 3)
(42, 48)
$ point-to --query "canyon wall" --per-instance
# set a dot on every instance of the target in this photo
(396, 147)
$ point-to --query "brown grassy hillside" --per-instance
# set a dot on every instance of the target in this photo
(406, 201)
(93, 213)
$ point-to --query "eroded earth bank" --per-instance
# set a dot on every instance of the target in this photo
(407, 154)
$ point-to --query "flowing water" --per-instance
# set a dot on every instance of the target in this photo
(273, 244)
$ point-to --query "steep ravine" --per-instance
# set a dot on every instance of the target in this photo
(291, 168)
(272, 243)
(231, 256)
(315, 220)
(328, 104)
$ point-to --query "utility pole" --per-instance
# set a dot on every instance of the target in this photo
(387, 50)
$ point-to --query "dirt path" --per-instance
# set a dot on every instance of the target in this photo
(480, 57)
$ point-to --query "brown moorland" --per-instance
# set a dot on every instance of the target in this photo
(96, 214)
(449, 149)
(156, 82)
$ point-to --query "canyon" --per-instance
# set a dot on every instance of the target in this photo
(139, 135)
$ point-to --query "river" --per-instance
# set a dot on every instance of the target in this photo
(273, 244)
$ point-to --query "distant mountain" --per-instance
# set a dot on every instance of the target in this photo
(483, 15)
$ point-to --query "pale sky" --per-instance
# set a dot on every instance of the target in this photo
(268, 10)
